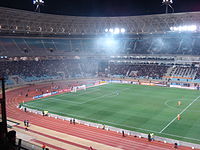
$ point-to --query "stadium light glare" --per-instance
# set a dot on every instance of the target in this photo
(111, 30)
(110, 42)
(123, 30)
(167, 3)
(38, 3)
(35, 2)
(189, 28)
(193, 28)
(116, 31)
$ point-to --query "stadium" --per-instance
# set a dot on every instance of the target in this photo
(104, 83)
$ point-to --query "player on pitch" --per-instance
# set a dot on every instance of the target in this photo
(179, 103)
(178, 116)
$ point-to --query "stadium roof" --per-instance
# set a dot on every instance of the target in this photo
(103, 7)
(20, 21)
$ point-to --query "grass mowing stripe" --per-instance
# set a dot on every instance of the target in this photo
(92, 99)
(81, 94)
(110, 94)
(52, 98)
(180, 114)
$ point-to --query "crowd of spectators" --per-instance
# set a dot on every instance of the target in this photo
(198, 74)
(65, 68)
(53, 68)
(139, 70)
(145, 58)
(134, 45)
(180, 71)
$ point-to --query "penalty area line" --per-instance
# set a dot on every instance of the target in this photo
(180, 114)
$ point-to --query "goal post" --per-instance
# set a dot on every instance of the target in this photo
(84, 87)
(75, 88)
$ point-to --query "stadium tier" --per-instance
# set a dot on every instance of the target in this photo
(168, 45)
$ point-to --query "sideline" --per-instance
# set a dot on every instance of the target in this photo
(180, 114)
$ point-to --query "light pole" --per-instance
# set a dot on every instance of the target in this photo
(38, 3)
(168, 3)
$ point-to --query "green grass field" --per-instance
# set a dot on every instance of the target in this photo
(133, 107)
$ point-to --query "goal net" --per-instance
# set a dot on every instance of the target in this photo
(75, 88)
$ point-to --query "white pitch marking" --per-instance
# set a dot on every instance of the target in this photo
(180, 114)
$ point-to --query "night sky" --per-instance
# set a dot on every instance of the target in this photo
(104, 7)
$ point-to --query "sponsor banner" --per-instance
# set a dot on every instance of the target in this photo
(126, 82)
(182, 87)
(88, 85)
(67, 90)
(115, 81)
(52, 93)
(176, 86)
(64, 90)
(143, 83)
(132, 82)
(160, 85)
(38, 96)
(102, 82)
(44, 95)
(60, 91)
(97, 83)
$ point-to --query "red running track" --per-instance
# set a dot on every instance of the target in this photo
(90, 133)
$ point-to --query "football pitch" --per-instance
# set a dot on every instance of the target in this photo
(133, 107)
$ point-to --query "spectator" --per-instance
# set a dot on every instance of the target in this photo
(74, 122)
(149, 137)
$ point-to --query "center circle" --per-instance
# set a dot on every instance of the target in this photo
(173, 104)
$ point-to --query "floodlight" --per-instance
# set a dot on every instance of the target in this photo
(193, 28)
(168, 3)
(122, 30)
(116, 31)
(185, 28)
(111, 30)
(38, 3)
